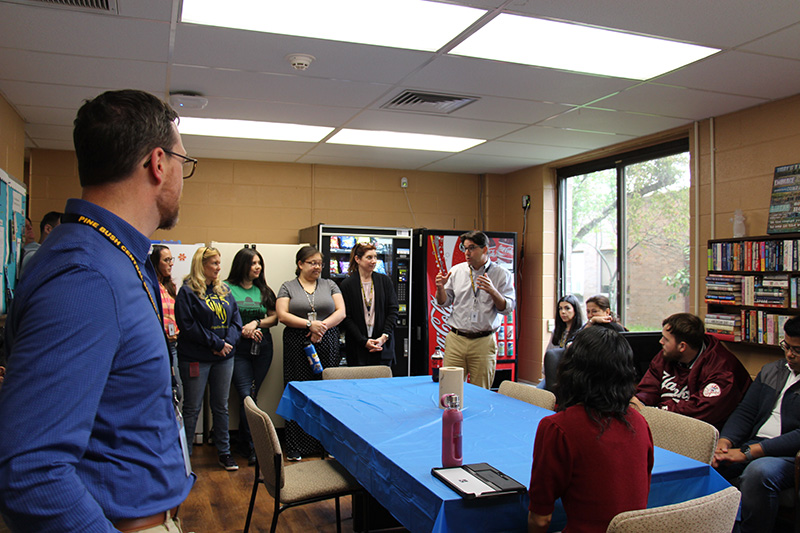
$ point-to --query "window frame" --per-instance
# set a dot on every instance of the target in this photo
(617, 162)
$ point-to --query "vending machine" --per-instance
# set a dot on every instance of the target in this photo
(439, 250)
(393, 246)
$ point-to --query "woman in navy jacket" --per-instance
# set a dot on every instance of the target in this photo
(210, 326)
(371, 305)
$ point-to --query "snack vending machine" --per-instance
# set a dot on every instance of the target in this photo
(393, 246)
(439, 250)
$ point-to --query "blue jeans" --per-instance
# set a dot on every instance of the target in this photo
(249, 372)
(761, 482)
(218, 376)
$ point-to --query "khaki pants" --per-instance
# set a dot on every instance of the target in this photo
(478, 357)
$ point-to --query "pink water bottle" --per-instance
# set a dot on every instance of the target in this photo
(451, 431)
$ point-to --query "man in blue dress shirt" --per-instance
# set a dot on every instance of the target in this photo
(90, 438)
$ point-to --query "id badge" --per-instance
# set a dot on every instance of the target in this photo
(312, 316)
(171, 329)
(187, 462)
(474, 315)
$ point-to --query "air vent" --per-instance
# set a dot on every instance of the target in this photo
(94, 6)
(433, 103)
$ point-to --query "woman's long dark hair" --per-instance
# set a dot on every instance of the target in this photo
(240, 268)
(597, 371)
(166, 281)
(577, 322)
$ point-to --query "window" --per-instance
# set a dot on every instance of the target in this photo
(637, 203)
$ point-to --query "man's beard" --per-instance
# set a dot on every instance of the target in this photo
(168, 214)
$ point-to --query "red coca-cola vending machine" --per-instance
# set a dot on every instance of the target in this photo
(439, 250)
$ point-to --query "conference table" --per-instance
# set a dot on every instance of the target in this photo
(387, 433)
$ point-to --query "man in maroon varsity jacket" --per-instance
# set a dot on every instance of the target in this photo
(693, 374)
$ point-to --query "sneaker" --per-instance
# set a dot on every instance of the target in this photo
(252, 459)
(227, 462)
(293, 456)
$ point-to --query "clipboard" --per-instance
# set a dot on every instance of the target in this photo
(479, 480)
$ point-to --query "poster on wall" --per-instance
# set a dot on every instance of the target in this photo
(784, 207)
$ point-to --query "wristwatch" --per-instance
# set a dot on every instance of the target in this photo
(308, 324)
(746, 451)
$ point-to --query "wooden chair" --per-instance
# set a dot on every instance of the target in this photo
(714, 513)
(528, 393)
(357, 372)
(682, 434)
(293, 485)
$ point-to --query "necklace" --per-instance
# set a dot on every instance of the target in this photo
(368, 301)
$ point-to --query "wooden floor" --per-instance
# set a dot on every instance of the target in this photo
(219, 500)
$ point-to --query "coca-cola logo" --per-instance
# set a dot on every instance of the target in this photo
(438, 321)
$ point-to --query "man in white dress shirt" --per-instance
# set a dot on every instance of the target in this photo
(479, 291)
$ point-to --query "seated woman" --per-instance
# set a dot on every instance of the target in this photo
(569, 320)
(596, 452)
(598, 311)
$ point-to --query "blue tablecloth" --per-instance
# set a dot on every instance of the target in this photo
(387, 433)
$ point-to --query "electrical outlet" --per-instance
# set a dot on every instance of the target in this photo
(404, 182)
(526, 201)
(551, 325)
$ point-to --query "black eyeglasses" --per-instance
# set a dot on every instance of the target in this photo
(786, 348)
(189, 163)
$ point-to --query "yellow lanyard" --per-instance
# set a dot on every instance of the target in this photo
(105, 232)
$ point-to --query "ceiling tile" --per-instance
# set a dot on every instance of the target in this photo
(615, 122)
(677, 102)
(477, 77)
(783, 43)
(290, 88)
(431, 124)
(473, 164)
(740, 73)
(264, 52)
(551, 136)
(46, 29)
(61, 69)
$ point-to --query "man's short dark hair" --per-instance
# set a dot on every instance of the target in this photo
(686, 327)
(53, 218)
(116, 130)
(792, 327)
(478, 237)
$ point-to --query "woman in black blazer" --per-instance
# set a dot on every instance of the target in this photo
(371, 305)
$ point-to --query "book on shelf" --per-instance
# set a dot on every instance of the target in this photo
(769, 255)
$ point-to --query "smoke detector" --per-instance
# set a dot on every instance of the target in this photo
(300, 61)
(187, 101)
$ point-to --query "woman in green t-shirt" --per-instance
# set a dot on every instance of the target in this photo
(253, 352)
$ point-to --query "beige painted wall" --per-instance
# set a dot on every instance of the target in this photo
(748, 145)
(12, 141)
(269, 202)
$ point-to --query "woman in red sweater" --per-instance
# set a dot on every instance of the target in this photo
(596, 452)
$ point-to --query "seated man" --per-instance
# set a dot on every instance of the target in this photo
(693, 374)
(767, 427)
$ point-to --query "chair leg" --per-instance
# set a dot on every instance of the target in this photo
(338, 517)
(252, 501)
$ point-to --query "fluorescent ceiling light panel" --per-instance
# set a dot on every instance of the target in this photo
(411, 24)
(405, 141)
(545, 43)
(251, 129)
